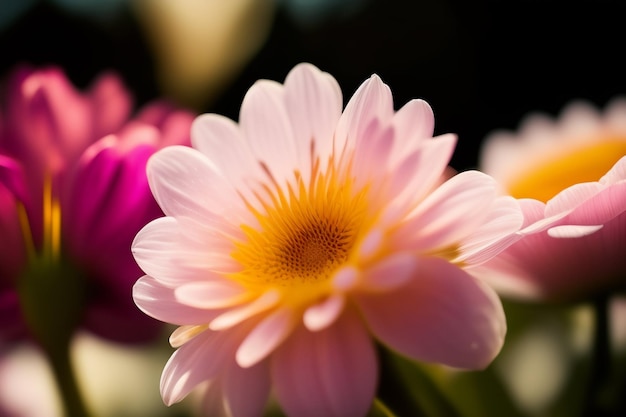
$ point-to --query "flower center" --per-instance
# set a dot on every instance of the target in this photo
(303, 237)
(583, 164)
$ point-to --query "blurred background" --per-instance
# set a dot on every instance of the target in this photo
(482, 65)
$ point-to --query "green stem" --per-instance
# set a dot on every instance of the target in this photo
(52, 301)
(61, 364)
(598, 391)
(406, 390)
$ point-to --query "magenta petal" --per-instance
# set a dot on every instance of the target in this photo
(12, 245)
(331, 372)
(13, 179)
(110, 201)
(174, 124)
(119, 320)
(51, 118)
(444, 315)
(110, 103)
(12, 326)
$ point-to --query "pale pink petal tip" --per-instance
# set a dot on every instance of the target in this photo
(573, 231)
(264, 338)
(236, 315)
(346, 278)
(322, 315)
(210, 294)
(183, 334)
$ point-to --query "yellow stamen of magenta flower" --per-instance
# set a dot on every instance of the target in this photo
(51, 243)
(583, 164)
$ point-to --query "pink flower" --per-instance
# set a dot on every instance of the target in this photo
(572, 173)
(295, 239)
(73, 193)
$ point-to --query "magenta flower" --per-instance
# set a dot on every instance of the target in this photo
(295, 239)
(73, 193)
(572, 174)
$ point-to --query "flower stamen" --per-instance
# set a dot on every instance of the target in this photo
(304, 237)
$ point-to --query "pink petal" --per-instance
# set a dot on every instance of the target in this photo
(210, 294)
(533, 210)
(159, 251)
(572, 197)
(413, 123)
(314, 103)
(444, 315)
(159, 301)
(372, 100)
(202, 358)
(213, 402)
(450, 213)
(265, 337)
(390, 273)
(246, 390)
(561, 269)
(323, 314)
(331, 372)
(419, 172)
(268, 131)
(236, 315)
(599, 208)
(187, 184)
(616, 174)
(505, 218)
(373, 150)
(220, 139)
(508, 280)
(570, 231)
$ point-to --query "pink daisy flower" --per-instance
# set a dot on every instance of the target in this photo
(296, 239)
(73, 194)
(571, 174)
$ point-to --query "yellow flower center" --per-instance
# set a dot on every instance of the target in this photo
(583, 164)
(303, 236)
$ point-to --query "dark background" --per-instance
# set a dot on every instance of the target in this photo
(482, 65)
